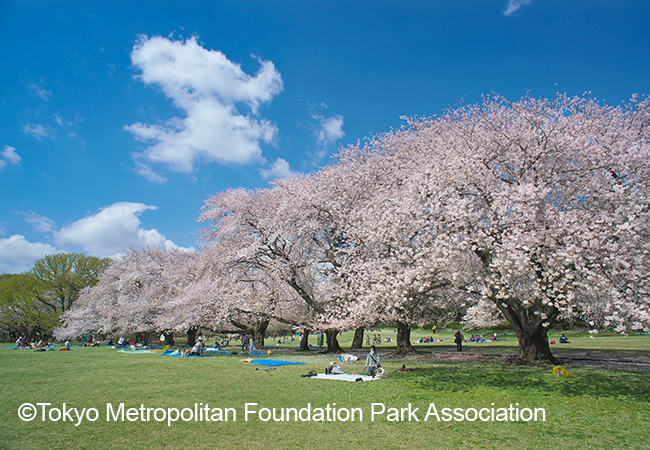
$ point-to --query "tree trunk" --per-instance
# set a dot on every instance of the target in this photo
(259, 333)
(304, 340)
(534, 345)
(142, 338)
(332, 343)
(357, 341)
(169, 338)
(532, 336)
(404, 339)
(191, 336)
(526, 321)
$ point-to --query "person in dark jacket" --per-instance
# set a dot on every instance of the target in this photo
(458, 339)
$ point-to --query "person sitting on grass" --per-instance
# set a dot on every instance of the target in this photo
(198, 347)
(564, 340)
(372, 362)
(66, 347)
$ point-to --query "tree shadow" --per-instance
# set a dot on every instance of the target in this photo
(595, 383)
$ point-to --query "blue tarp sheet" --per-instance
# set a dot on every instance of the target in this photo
(137, 351)
(274, 362)
(222, 352)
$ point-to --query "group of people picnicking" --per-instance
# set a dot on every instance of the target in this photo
(478, 338)
(247, 345)
(41, 345)
(125, 343)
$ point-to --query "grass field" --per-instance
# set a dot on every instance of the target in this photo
(595, 408)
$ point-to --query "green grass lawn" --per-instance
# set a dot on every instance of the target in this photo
(595, 408)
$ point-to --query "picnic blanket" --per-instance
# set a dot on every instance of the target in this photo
(344, 377)
(348, 357)
(273, 362)
(180, 354)
(138, 351)
(223, 352)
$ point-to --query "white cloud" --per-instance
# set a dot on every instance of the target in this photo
(209, 88)
(279, 169)
(61, 121)
(109, 232)
(38, 89)
(326, 129)
(514, 5)
(9, 156)
(331, 129)
(112, 230)
(18, 255)
(146, 171)
(39, 131)
(40, 223)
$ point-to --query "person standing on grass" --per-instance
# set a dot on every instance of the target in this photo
(458, 339)
(244, 343)
(372, 361)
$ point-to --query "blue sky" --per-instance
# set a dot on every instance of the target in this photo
(118, 119)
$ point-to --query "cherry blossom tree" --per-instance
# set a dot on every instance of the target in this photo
(390, 267)
(132, 295)
(275, 242)
(483, 314)
(540, 206)
(235, 297)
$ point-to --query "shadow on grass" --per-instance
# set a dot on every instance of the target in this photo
(599, 384)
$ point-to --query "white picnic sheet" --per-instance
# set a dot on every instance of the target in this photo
(344, 377)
